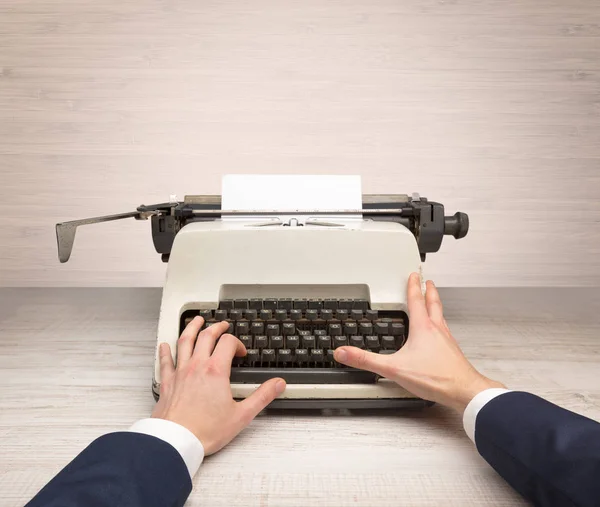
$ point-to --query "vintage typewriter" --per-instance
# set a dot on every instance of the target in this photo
(294, 286)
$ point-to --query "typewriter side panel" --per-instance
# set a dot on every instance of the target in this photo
(209, 259)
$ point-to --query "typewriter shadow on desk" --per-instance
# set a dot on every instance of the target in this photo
(443, 419)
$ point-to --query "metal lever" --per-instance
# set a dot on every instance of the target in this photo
(65, 231)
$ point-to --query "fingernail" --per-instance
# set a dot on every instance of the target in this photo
(280, 387)
(341, 355)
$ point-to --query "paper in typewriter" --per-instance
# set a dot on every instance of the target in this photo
(290, 193)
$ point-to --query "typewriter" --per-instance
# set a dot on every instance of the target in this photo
(294, 285)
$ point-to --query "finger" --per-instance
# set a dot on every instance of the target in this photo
(227, 348)
(416, 301)
(185, 344)
(167, 368)
(434, 305)
(365, 360)
(259, 399)
(208, 338)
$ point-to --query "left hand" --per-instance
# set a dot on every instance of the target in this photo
(196, 394)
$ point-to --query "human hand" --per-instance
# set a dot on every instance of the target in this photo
(196, 394)
(430, 365)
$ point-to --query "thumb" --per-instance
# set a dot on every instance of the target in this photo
(364, 360)
(260, 398)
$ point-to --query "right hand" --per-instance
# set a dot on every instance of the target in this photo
(430, 364)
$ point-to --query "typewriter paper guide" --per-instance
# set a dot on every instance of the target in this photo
(247, 192)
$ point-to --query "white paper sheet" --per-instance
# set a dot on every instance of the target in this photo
(290, 192)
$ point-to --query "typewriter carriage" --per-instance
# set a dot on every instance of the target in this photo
(425, 219)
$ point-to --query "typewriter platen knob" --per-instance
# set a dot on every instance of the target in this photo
(457, 225)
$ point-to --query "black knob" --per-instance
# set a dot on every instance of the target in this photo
(457, 225)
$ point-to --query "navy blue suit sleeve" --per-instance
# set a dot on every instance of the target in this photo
(548, 454)
(120, 469)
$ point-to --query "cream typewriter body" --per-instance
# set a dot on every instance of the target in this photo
(294, 287)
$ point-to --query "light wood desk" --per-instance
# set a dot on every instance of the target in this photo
(77, 363)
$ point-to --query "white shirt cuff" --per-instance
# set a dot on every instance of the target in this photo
(182, 439)
(475, 405)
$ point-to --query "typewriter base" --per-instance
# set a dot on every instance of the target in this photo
(351, 404)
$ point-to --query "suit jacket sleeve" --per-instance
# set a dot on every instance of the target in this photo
(120, 469)
(548, 454)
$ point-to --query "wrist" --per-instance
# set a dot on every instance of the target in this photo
(471, 388)
(179, 437)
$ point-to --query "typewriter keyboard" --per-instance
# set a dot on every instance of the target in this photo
(295, 338)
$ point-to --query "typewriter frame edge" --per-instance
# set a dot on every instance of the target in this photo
(338, 404)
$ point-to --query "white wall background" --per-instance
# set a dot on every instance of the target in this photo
(490, 107)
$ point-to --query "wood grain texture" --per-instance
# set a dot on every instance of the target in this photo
(77, 363)
(490, 107)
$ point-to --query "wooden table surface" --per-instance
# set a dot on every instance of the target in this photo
(77, 363)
